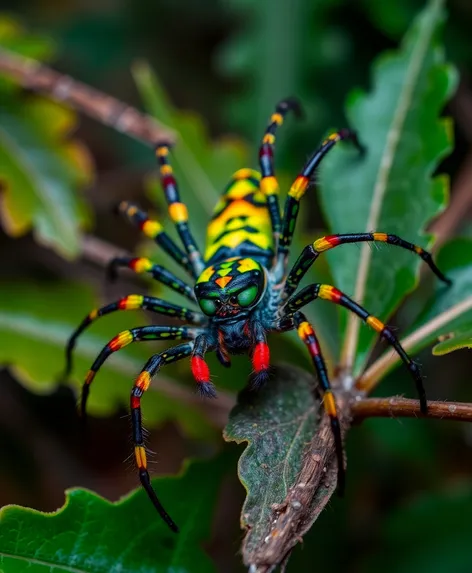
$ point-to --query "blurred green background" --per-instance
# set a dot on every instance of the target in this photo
(409, 482)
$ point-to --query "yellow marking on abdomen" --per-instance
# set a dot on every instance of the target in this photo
(231, 236)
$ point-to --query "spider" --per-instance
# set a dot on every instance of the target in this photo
(241, 284)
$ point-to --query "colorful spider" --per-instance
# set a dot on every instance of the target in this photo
(241, 285)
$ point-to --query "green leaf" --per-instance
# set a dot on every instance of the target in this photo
(91, 534)
(449, 310)
(36, 321)
(41, 172)
(432, 534)
(42, 168)
(277, 422)
(202, 167)
(14, 37)
(391, 189)
(462, 338)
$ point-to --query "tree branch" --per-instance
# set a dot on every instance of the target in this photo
(106, 109)
(398, 407)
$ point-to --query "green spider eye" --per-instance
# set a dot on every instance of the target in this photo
(208, 306)
(248, 296)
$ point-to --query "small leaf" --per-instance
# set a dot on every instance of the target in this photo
(35, 323)
(41, 173)
(42, 168)
(278, 422)
(432, 534)
(391, 189)
(451, 306)
(90, 534)
(452, 341)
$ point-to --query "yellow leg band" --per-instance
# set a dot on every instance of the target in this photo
(140, 455)
(329, 403)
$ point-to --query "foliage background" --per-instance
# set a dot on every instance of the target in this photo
(225, 61)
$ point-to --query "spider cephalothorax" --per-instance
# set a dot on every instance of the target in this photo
(241, 283)
(231, 288)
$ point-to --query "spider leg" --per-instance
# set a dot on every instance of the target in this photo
(141, 384)
(260, 358)
(200, 369)
(140, 334)
(154, 230)
(311, 252)
(131, 302)
(332, 294)
(307, 334)
(300, 186)
(269, 184)
(159, 273)
(177, 210)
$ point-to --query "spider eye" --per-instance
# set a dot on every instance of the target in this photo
(208, 306)
(233, 300)
(248, 296)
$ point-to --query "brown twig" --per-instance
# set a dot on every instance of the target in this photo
(397, 407)
(316, 482)
(62, 88)
(305, 499)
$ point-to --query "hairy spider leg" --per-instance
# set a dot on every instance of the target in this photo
(139, 334)
(260, 358)
(178, 211)
(200, 369)
(307, 334)
(143, 265)
(299, 187)
(332, 294)
(141, 384)
(154, 230)
(132, 302)
(269, 183)
(311, 252)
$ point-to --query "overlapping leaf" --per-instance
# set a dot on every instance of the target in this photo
(90, 534)
(41, 167)
(277, 422)
(391, 189)
(36, 321)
